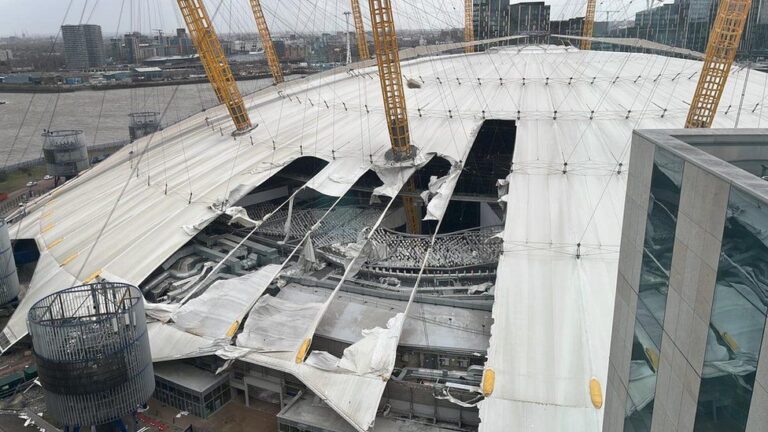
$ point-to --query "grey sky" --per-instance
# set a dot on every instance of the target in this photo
(43, 17)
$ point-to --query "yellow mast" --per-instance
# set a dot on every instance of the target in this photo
(266, 40)
(723, 42)
(589, 25)
(362, 44)
(469, 26)
(214, 61)
(388, 60)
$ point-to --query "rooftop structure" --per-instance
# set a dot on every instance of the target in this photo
(65, 153)
(256, 246)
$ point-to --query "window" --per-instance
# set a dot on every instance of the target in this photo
(664, 201)
(738, 318)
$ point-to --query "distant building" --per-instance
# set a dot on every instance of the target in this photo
(147, 73)
(527, 17)
(181, 44)
(687, 24)
(757, 41)
(116, 50)
(6, 55)
(489, 18)
(132, 51)
(83, 46)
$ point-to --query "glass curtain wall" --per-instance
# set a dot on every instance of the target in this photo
(664, 201)
(738, 318)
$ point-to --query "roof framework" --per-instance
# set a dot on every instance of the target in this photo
(575, 112)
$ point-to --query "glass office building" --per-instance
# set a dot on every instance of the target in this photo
(687, 351)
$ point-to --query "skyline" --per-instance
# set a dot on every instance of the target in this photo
(44, 17)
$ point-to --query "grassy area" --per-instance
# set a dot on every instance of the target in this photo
(16, 180)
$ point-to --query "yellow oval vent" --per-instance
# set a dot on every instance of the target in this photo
(489, 381)
(303, 350)
(596, 393)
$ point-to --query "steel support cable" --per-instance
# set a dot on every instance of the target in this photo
(349, 267)
(120, 196)
(32, 99)
(621, 157)
(221, 263)
(450, 91)
(600, 102)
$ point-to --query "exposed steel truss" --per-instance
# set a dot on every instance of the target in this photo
(362, 44)
(266, 40)
(723, 42)
(589, 25)
(214, 61)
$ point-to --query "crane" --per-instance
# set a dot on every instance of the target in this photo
(362, 44)
(469, 25)
(589, 25)
(723, 42)
(388, 60)
(214, 61)
(266, 40)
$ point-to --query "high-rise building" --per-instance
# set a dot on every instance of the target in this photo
(132, 51)
(527, 17)
(83, 46)
(489, 17)
(688, 351)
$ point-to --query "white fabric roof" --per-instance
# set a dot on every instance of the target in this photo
(552, 313)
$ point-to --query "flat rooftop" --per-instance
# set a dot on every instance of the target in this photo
(188, 376)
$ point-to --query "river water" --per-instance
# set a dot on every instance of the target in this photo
(101, 115)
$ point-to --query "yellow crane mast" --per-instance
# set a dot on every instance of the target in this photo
(214, 61)
(388, 60)
(266, 40)
(362, 44)
(469, 25)
(589, 25)
(723, 42)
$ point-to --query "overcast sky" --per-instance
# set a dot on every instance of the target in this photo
(43, 17)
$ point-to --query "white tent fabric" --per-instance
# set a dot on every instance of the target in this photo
(170, 343)
(439, 194)
(338, 176)
(373, 355)
(276, 325)
(574, 112)
(224, 304)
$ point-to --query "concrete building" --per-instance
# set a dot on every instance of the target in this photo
(188, 388)
(83, 46)
(687, 349)
(6, 55)
(132, 48)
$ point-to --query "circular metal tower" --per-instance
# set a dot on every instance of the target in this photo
(92, 353)
(142, 124)
(65, 153)
(9, 279)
